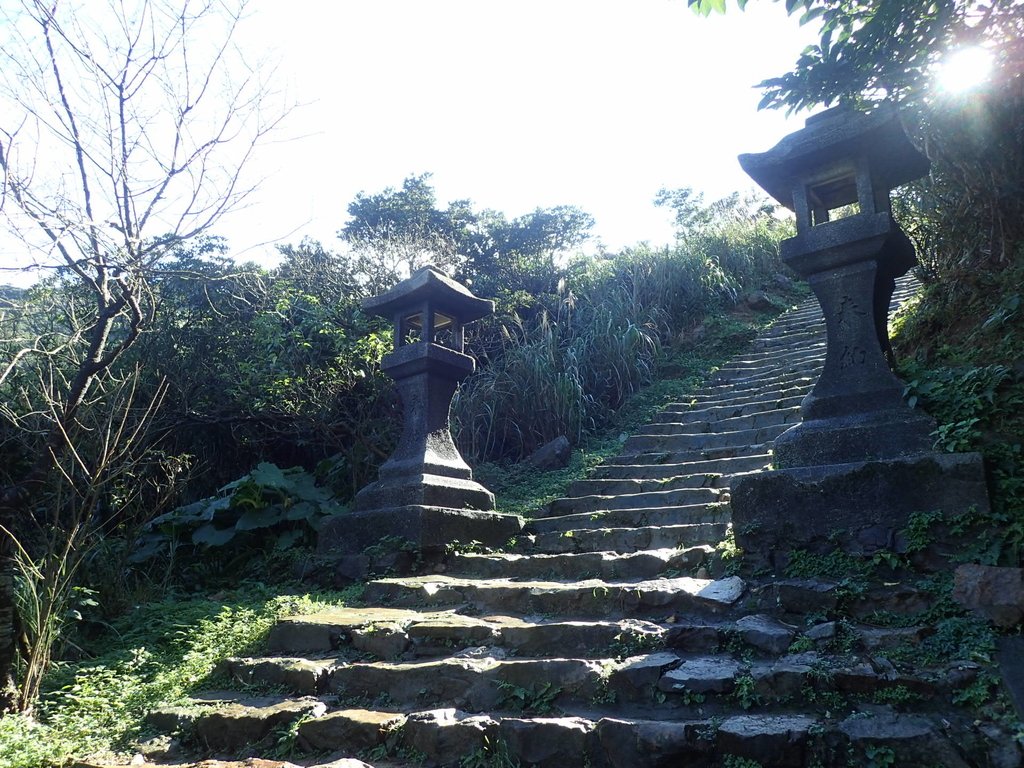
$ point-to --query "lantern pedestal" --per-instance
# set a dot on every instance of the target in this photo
(859, 508)
(427, 529)
(425, 495)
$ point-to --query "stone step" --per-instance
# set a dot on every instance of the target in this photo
(609, 487)
(614, 518)
(699, 468)
(771, 375)
(751, 357)
(678, 497)
(786, 340)
(770, 418)
(661, 458)
(228, 720)
(782, 738)
(742, 375)
(642, 443)
(681, 413)
(610, 566)
(590, 598)
(784, 387)
(626, 539)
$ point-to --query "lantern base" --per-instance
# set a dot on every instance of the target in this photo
(428, 529)
(870, 436)
(427, 490)
(860, 508)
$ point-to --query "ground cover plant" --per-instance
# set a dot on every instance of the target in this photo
(153, 655)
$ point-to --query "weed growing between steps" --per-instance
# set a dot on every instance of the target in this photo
(156, 654)
(521, 489)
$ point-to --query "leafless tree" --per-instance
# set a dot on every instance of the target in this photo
(126, 129)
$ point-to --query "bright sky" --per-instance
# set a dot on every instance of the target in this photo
(514, 104)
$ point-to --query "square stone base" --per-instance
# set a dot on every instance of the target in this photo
(428, 528)
(860, 508)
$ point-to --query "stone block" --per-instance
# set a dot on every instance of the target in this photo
(860, 507)
(993, 592)
(425, 528)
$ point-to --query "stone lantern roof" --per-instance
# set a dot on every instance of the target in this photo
(834, 135)
(427, 285)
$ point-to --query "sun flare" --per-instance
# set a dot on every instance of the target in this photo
(963, 69)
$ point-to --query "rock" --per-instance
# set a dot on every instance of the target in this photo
(444, 733)
(913, 740)
(552, 455)
(708, 674)
(641, 673)
(547, 742)
(349, 729)
(723, 592)
(807, 595)
(385, 640)
(766, 739)
(302, 676)
(765, 633)
(345, 762)
(693, 638)
(995, 592)
(758, 300)
(823, 631)
(630, 743)
(887, 638)
(785, 678)
(235, 725)
(349, 568)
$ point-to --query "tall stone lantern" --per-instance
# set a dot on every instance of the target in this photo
(425, 493)
(860, 463)
(847, 162)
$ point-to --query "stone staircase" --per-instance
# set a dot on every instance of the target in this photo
(613, 634)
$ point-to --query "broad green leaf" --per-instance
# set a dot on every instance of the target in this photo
(212, 536)
(269, 475)
(301, 511)
(259, 518)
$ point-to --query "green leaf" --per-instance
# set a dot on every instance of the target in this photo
(301, 511)
(288, 539)
(258, 518)
(270, 476)
(212, 536)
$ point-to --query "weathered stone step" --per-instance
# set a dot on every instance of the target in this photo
(677, 497)
(643, 443)
(613, 518)
(228, 720)
(707, 468)
(590, 598)
(779, 739)
(663, 458)
(626, 539)
(784, 387)
(743, 375)
(472, 684)
(735, 424)
(682, 413)
(606, 565)
(752, 358)
(785, 340)
(608, 487)
(780, 376)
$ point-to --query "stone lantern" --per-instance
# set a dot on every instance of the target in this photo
(860, 463)
(846, 162)
(425, 493)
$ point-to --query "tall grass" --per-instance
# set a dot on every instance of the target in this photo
(584, 350)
